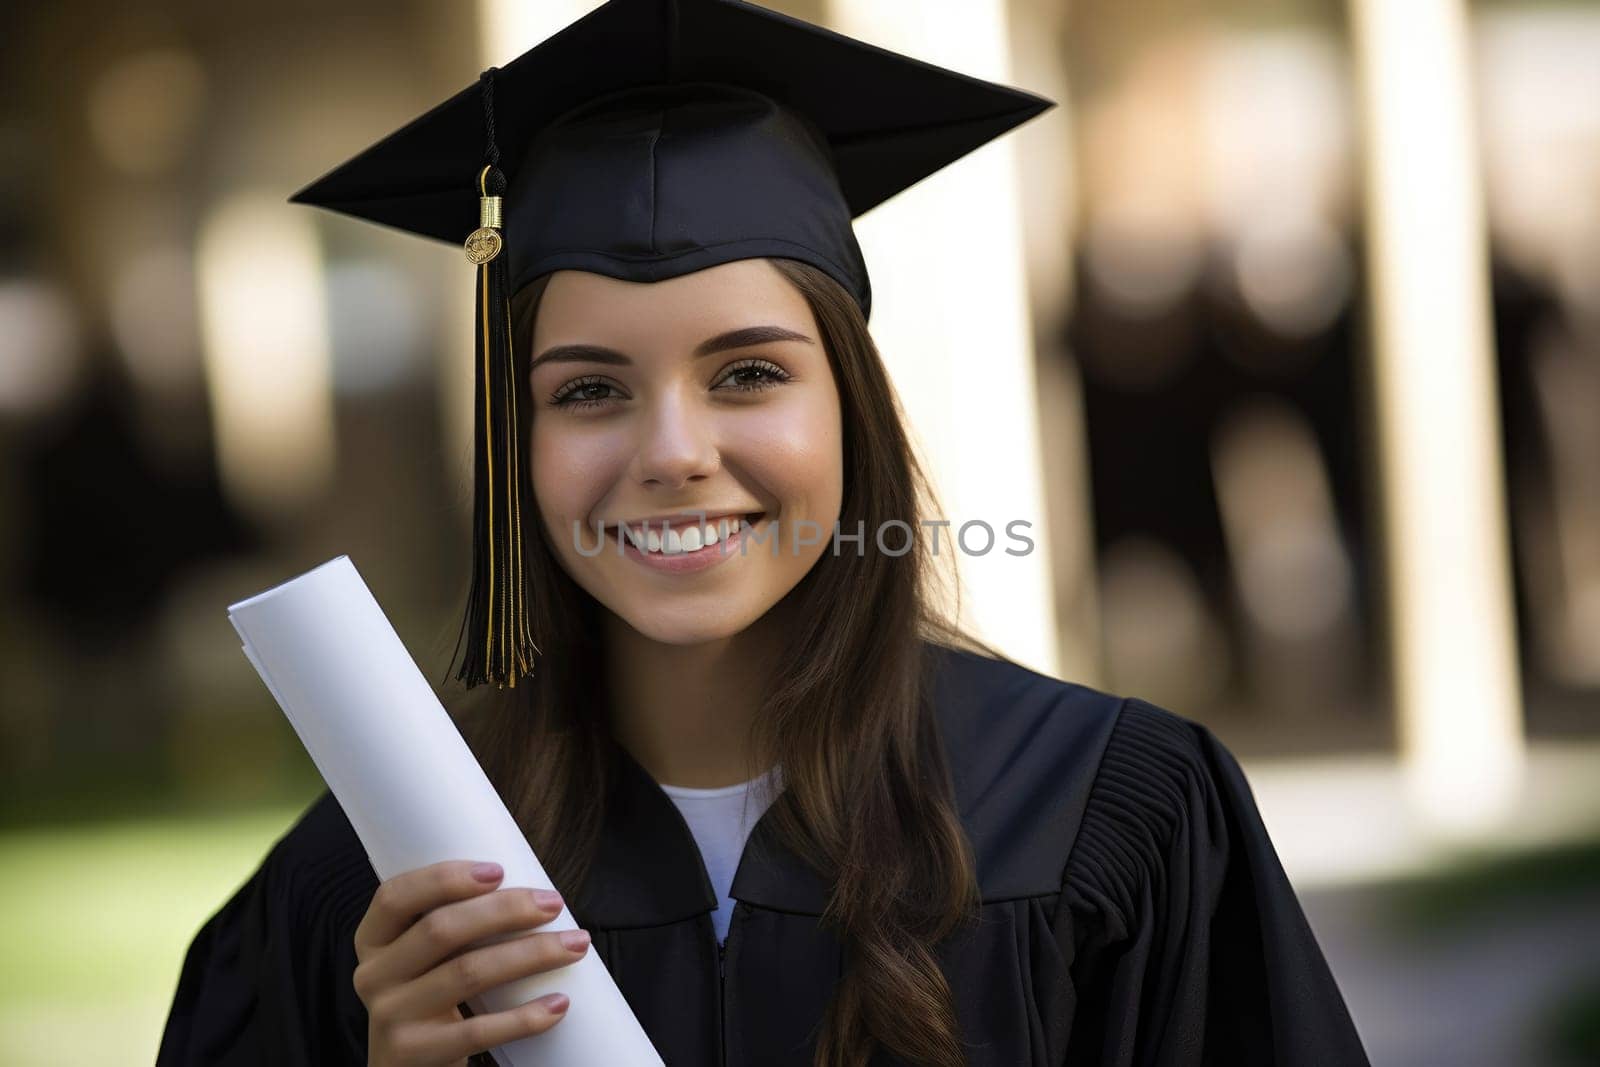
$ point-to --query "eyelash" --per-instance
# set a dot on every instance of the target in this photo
(563, 397)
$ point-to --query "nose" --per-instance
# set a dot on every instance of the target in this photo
(676, 445)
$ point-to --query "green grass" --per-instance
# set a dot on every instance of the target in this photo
(1572, 1025)
(95, 919)
(1479, 885)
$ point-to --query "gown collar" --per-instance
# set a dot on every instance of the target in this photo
(648, 871)
(1024, 750)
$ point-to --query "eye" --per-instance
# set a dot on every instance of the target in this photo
(754, 375)
(581, 394)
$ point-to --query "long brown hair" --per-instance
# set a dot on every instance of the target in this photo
(867, 796)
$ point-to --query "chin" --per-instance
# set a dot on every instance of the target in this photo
(696, 628)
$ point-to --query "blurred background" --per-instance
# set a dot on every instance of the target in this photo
(1282, 331)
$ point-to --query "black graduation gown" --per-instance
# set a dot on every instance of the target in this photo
(1134, 913)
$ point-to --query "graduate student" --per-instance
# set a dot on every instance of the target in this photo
(803, 819)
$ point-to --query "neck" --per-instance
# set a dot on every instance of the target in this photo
(684, 711)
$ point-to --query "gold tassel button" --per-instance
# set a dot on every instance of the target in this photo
(484, 243)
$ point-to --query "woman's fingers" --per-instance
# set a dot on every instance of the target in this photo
(398, 901)
(421, 955)
(452, 928)
(465, 976)
(481, 1032)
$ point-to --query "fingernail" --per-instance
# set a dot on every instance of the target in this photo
(576, 940)
(556, 1002)
(548, 899)
(487, 872)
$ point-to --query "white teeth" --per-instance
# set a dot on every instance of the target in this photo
(672, 542)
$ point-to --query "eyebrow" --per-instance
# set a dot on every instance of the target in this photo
(741, 338)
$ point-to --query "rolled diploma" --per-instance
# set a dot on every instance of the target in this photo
(412, 789)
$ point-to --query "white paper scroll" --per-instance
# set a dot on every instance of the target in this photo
(413, 790)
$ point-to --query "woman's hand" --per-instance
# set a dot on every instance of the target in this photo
(414, 968)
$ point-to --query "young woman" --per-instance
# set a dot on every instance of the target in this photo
(802, 818)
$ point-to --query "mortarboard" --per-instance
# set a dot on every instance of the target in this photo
(646, 140)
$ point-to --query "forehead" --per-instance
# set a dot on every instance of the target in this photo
(579, 306)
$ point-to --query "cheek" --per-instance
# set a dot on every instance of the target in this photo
(571, 468)
(796, 452)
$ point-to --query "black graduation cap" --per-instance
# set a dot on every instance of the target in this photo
(649, 139)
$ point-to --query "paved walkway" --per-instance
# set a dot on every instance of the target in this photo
(1468, 996)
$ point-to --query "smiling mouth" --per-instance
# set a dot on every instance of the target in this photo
(685, 536)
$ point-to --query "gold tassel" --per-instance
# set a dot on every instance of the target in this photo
(499, 647)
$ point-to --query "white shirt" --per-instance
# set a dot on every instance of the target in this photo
(721, 820)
